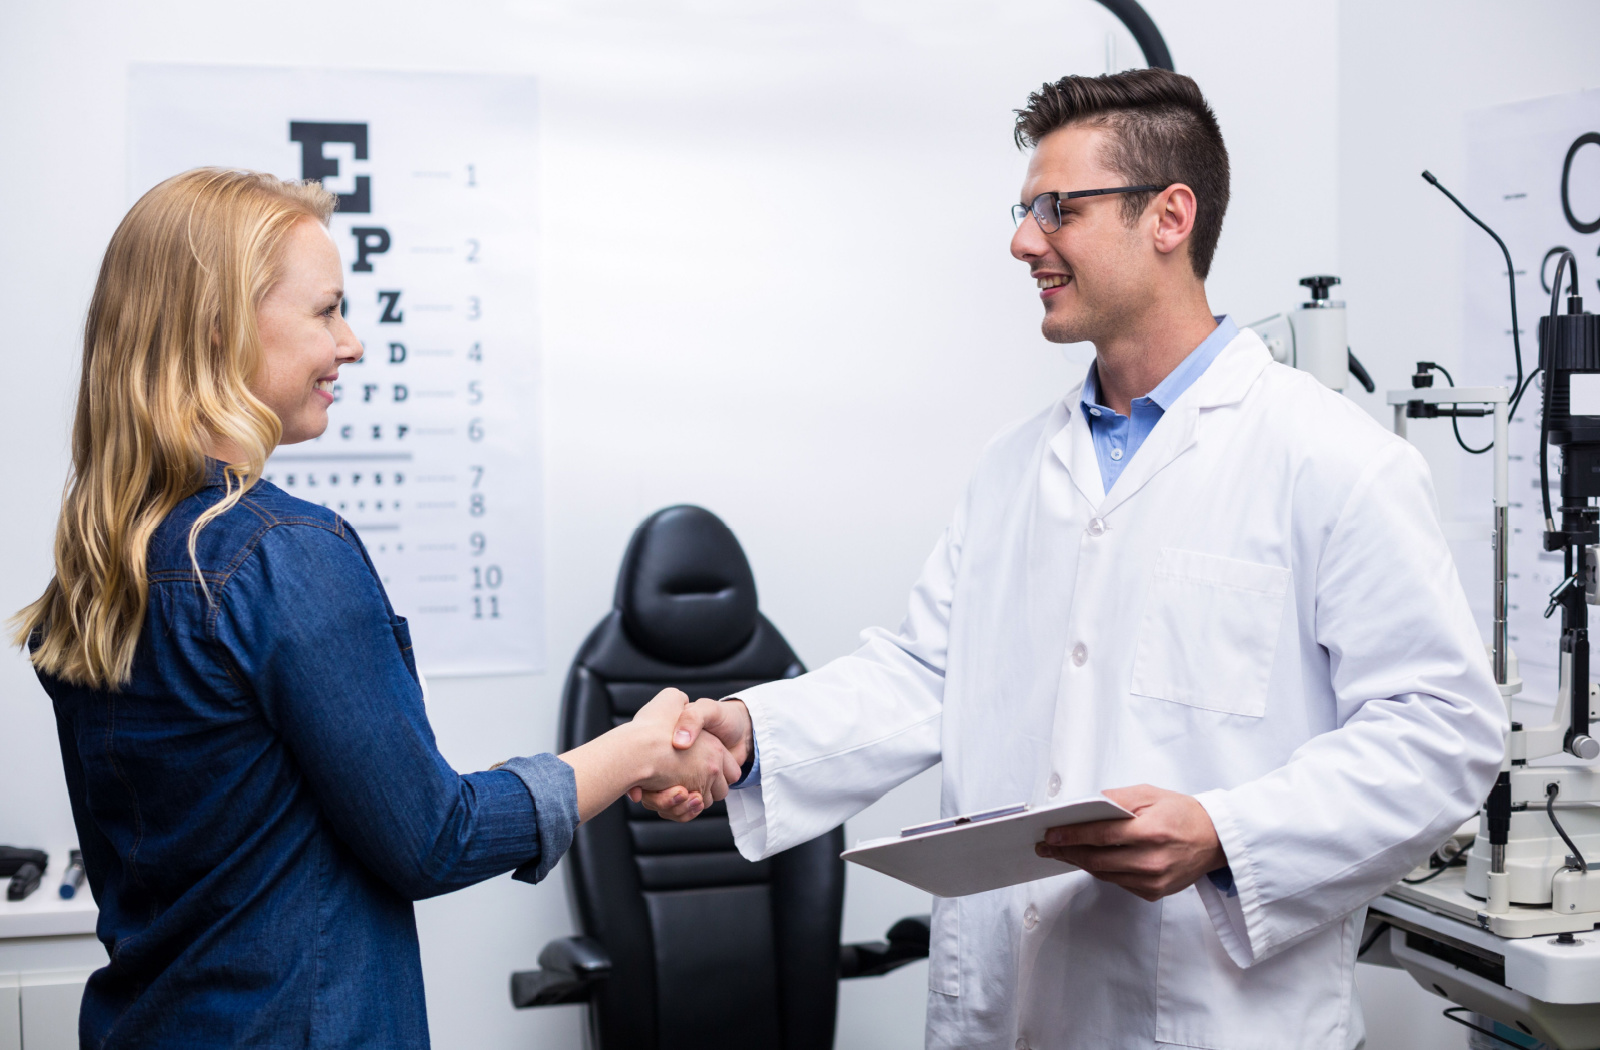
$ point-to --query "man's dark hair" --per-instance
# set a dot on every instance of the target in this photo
(1162, 132)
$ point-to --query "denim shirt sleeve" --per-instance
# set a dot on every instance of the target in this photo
(554, 789)
(313, 638)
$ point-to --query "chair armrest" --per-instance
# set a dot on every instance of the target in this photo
(907, 942)
(569, 968)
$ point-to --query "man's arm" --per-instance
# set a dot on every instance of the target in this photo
(1421, 730)
(833, 741)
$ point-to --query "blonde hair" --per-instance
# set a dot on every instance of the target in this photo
(169, 349)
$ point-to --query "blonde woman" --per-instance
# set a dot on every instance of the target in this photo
(256, 789)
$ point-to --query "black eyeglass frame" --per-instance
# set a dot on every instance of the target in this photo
(1022, 211)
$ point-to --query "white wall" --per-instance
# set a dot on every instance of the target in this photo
(811, 328)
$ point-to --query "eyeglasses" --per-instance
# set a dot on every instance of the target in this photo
(1046, 207)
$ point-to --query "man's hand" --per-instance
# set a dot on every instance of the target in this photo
(1166, 847)
(729, 722)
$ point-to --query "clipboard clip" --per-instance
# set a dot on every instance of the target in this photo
(955, 822)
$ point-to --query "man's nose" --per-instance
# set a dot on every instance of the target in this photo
(1028, 242)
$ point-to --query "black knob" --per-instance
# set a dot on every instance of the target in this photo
(1319, 285)
(24, 882)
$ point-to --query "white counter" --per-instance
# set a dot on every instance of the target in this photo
(45, 914)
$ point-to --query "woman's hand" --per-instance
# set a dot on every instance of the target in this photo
(640, 756)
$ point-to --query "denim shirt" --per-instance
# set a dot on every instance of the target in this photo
(261, 803)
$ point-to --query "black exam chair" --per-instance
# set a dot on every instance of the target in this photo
(687, 944)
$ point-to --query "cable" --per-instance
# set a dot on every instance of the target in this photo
(1511, 279)
(1551, 790)
(1516, 399)
(1455, 421)
(1457, 860)
(1434, 874)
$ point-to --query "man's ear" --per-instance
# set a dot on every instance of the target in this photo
(1174, 212)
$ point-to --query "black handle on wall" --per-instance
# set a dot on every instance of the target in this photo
(1144, 30)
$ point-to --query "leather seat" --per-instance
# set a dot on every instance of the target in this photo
(685, 941)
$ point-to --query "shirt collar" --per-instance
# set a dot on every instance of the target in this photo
(1179, 379)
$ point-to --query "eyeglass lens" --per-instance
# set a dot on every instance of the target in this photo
(1046, 209)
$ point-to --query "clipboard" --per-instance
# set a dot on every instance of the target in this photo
(958, 856)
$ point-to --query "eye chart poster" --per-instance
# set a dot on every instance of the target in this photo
(1533, 174)
(433, 446)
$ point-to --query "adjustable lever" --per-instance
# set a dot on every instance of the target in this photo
(1561, 589)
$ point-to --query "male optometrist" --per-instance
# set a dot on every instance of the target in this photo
(1200, 574)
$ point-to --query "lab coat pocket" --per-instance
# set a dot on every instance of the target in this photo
(1204, 1000)
(1210, 631)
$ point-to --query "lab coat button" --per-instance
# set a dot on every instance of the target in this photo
(1054, 786)
(1080, 654)
(1096, 526)
(1030, 918)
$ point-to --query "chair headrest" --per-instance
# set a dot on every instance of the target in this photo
(686, 592)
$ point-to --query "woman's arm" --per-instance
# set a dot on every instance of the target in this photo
(314, 645)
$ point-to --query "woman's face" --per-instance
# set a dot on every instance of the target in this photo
(304, 338)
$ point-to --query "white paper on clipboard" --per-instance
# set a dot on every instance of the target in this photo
(982, 854)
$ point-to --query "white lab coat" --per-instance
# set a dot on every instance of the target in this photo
(1263, 613)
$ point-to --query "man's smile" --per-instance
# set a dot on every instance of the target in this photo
(1049, 282)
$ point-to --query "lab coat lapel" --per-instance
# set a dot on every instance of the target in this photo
(1073, 445)
(1224, 383)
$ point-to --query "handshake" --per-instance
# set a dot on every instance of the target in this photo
(675, 757)
(710, 742)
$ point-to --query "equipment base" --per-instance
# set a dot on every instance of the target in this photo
(1446, 895)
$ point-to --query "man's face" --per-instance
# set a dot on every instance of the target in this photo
(1095, 271)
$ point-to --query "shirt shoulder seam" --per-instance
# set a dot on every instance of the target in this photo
(249, 547)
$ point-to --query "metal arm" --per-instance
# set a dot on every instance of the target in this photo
(569, 970)
(908, 942)
(1144, 30)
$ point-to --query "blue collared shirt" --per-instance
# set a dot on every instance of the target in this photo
(1117, 437)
